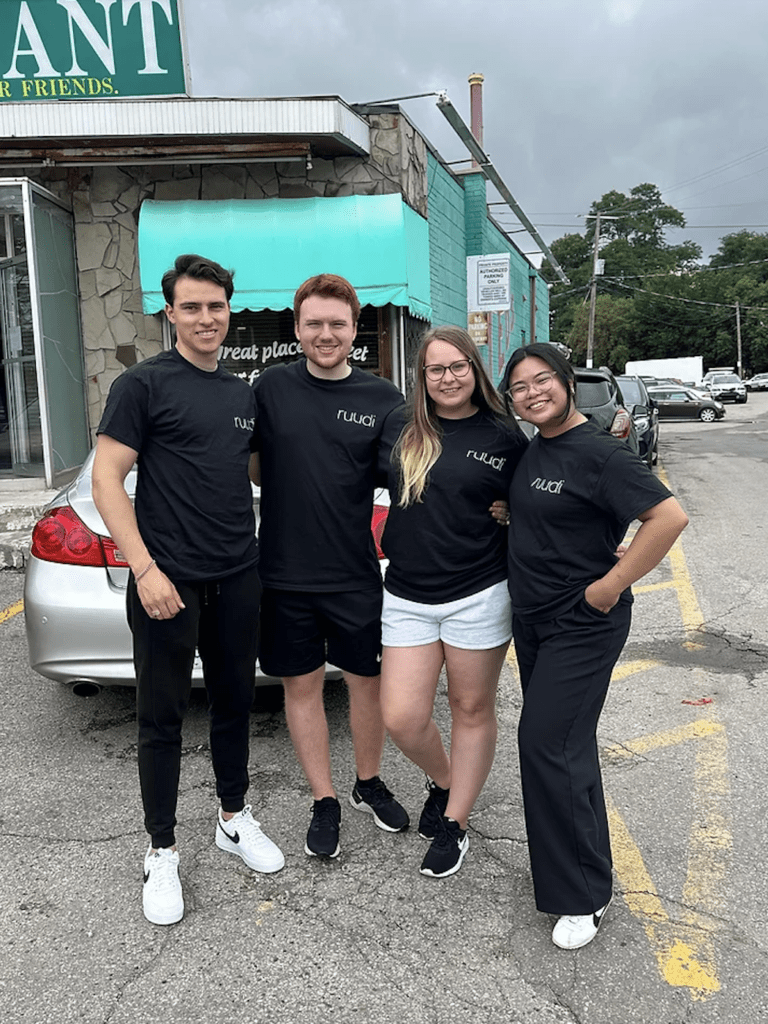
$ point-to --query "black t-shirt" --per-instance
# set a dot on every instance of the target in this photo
(319, 442)
(194, 433)
(572, 499)
(449, 546)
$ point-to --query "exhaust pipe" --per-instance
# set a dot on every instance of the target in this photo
(86, 688)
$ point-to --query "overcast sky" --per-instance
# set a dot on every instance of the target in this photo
(580, 96)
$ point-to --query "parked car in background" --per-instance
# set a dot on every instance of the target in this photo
(74, 593)
(757, 383)
(599, 397)
(725, 387)
(686, 403)
(644, 413)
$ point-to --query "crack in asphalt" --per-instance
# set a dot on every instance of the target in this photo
(715, 650)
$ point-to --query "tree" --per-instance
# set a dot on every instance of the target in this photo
(632, 246)
(614, 332)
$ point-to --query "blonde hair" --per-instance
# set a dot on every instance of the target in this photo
(421, 441)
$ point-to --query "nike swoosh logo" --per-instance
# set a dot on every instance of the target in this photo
(235, 837)
(146, 877)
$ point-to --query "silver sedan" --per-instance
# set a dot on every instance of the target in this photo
(74, 594)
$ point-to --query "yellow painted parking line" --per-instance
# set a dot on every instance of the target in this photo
(686, 595)
(649, 588)
(684, 949)
(11, 610)
(680, 962)
(512, 661)
(670, 738)
(631, 668)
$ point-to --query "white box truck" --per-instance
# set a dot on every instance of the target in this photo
(689, 369)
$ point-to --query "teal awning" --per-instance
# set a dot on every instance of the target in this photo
(377, 242)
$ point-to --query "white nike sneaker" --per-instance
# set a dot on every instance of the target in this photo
(243, 836)
(162, 899)
(575, 931)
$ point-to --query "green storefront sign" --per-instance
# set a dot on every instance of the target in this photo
(90, 49)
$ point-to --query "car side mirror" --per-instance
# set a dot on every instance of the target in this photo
(642, 410)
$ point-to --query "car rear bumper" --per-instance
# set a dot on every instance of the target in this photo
(77, 627)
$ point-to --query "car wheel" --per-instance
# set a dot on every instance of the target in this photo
(655, 455)
(742, 401)
(707, 415)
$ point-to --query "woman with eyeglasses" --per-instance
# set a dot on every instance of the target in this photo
(575, 492)
(445, 592)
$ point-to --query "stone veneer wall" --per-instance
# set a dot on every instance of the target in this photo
(106, 202)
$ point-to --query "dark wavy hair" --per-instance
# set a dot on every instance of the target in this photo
(557, 362)
(200, 269)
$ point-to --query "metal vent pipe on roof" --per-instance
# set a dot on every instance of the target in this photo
(476, 108)
(453, 117)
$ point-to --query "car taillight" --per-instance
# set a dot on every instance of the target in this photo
(61, 536)
(378, 522)
(622, 423)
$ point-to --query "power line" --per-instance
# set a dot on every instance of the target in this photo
(717, 170)
(677, 298)
(696, 270)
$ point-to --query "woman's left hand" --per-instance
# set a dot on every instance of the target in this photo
(500, 512)
(600, 596)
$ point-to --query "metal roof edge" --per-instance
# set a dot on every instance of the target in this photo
(199, 116)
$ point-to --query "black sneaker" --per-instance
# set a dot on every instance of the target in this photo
(447, 851)
(323, 834)
(434, 809)
(373, 797)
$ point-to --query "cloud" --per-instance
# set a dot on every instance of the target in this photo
(580, 96)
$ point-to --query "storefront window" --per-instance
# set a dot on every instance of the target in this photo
(258, 340)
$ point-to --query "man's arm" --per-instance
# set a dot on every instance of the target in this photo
(111, 465)
(254, 469)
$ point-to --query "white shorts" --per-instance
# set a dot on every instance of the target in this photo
(475, 623)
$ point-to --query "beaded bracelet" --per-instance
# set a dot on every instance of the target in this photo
(145, 571)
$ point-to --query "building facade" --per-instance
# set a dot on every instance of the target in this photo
(97, 197)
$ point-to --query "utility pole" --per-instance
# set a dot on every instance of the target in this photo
(597, 270)
(593, 296)
(738, 340)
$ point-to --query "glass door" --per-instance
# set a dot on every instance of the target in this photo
(43, 420)
(21, 442)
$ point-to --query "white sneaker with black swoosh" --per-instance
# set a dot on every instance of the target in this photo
(162, 900)
(243, 836)
(575, 931)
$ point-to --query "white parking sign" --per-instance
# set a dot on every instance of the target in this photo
(488, 288)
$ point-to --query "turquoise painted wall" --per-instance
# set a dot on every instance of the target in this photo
(459, 227)
(447, 246)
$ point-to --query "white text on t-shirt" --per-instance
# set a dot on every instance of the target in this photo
(364, 419)
(494, 461)
(553, 486)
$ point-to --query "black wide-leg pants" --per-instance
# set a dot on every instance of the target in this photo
(220, 620)
(565, 668)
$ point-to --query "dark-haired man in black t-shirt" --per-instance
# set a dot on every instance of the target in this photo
(192, 551)
(320, 425)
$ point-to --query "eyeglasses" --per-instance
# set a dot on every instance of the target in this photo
(459, 369)
(542, 382)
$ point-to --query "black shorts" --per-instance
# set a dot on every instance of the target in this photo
(300, 631)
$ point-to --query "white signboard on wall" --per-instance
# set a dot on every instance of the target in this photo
(488, 285)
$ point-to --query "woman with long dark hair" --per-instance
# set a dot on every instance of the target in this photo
(445, 593)
(574, 493)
